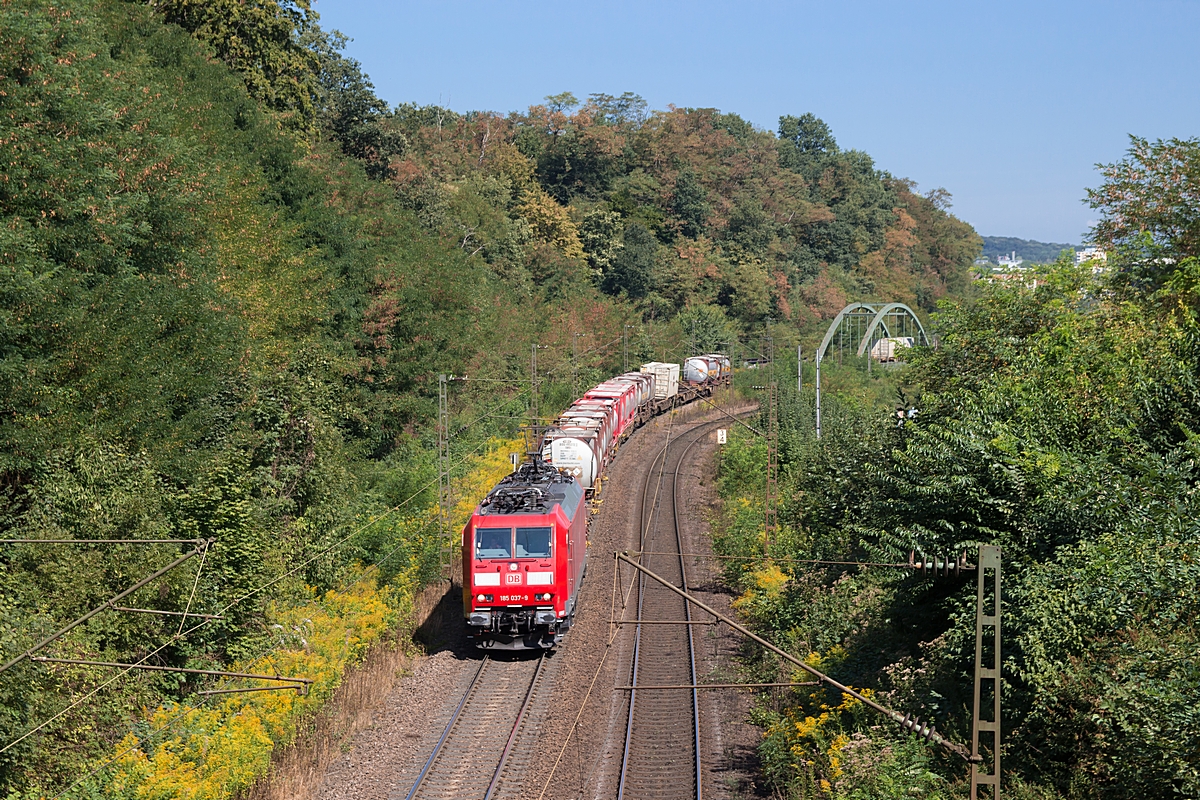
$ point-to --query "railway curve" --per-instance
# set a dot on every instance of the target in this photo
(383, 762)
(662, 733)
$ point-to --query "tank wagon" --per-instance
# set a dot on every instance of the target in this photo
(524, 549)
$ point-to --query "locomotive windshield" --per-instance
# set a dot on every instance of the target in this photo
(493, 542)
(533, 542)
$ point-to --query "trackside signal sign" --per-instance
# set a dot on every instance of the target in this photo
(722, 436)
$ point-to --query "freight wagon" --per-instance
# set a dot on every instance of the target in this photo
(524, 550)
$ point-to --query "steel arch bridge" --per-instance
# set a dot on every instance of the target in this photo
(866, 324)
(860, 325)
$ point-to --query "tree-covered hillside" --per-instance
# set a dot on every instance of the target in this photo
(229, 277)
(678, 209)
(1026, 249)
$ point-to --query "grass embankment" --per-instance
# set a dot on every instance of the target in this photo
(816, 743)
(196, 750)
(1055, 422)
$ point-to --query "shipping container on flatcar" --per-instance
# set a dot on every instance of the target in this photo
(645, 384)
(623, 396)
(724, 367)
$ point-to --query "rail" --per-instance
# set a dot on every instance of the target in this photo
(639, 654)
(428, 776)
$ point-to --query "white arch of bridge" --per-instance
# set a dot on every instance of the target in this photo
(878, 314)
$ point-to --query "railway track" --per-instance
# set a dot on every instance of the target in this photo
(661, 756)
(481, 753)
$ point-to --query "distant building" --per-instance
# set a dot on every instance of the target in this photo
(1090, 254)
(1010, 269)
(1024, 277)
(1007, 263)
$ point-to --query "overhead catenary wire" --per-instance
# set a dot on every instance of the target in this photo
(106, 605)
(823, 562)
(926, 732)
(188, 671)
(192, 595)
(547, 372)
(526, 381)
(101, 541)
(163, 613)
(208, 618)
(194, 628)
(501, 407)
(753, 430)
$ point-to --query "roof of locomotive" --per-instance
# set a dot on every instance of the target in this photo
(534, 488)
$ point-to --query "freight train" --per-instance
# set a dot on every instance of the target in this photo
(524, 550)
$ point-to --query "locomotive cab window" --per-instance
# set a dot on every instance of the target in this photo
(493, 542)
(533, 542)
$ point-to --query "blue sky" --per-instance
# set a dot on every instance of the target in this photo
(1008, 105)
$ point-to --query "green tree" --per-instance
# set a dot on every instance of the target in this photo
(348, 110)
(1149, 207)
(601, 234)
(706, 329)
(562, 102)
(627, 109)
(261, 40)
(632, 270)
(690, 204)
(804, 142)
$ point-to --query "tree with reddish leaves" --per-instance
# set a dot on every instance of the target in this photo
(1150, 207)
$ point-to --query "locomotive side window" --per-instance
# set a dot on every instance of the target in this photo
(493, 542)
(533, 542)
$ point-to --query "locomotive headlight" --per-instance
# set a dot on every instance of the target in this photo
(484, 598)
(544, 596)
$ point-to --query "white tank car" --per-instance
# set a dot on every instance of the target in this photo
(597, 409)
(724, 365)
(574, 451)
(644, 384)
(696, 370)
(590, 420)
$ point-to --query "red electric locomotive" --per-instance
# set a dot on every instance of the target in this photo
(524, 552)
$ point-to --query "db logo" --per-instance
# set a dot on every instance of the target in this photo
(512, 578)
